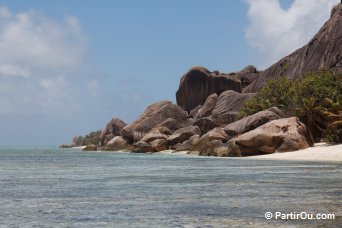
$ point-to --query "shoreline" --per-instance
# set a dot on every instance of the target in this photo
(319, 152)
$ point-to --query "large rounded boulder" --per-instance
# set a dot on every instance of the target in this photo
(198, 83)
(282, 135)
(154, 114)
(228, 106)
(118, 143)
(208, 106)
(253, 121)
(142, 147)
(111, 130)
(183, 134)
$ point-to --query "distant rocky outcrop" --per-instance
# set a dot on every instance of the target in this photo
(78, 141)
(324, 51)
(198, 83)
(93, 138)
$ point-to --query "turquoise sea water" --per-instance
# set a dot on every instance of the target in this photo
(49, 187)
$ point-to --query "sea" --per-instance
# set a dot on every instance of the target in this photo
(52, 187)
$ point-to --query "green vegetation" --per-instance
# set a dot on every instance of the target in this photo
(286, 65)
(275, 93)
(92, 138)
(316, 99)
(334, 115)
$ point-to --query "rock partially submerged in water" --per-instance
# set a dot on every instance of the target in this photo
(160, 145)
(90, 147)
(66, 146)
(212, 148)
(118, 143)
(142, 147)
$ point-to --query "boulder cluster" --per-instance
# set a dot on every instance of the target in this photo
(206, 121)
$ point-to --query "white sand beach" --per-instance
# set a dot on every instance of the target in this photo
(319, 152)
(78, 147)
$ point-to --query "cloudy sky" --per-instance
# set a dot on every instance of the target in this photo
(68, 67)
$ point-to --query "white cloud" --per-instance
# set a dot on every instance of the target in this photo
(276, 32)
(10, 70)
(41, 61)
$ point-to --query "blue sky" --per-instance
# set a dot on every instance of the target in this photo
(68, 67)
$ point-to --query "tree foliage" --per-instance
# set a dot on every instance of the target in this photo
(92, 138)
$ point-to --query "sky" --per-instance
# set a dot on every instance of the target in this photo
(68, 67)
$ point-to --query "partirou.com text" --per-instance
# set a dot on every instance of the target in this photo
(299, 216)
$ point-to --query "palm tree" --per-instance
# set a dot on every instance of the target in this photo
(312, 115)
(333, 113)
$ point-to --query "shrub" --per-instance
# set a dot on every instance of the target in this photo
(312, 98)
(276, 92)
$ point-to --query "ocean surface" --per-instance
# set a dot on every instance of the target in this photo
(50, 187)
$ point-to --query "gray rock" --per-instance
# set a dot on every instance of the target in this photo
(281, 135)
(228, 106)
(212, 148)
(251, 122)
(198, 83)
(188, 145)
(160, 145)
(118, 143)
(217, 133)
(91, 147)
(205, 124)
(156, 134)
(111, 130)
(154, 114)
(246, 80)
(171, 124)
(207, 107)
(142, 147)
(194, 111)
(183, 134)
